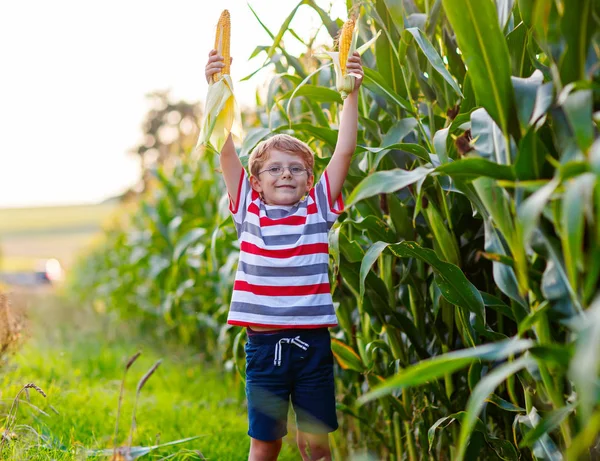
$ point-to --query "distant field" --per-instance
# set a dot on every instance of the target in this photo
(30, 234)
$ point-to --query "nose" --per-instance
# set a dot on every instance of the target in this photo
(287, 173)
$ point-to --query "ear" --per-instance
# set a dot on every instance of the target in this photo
(310, 182)
(255, 183)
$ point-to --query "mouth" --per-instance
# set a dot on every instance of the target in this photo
(285, 187)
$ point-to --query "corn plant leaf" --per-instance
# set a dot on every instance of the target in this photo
(433, 57)
(377, 228)
(489, 141)
(577, 26)
(557, 354)
(497, 304)
(474, 167)
(578, 108)
(385, 182)
(503, 404)
(526, 94)
(546, 425)
(365, 266)
(543, 447)
(283, 29)
(253, 137)
(585, 364)
(531, 209)
(319, 93)
(415, 149)
(186, 241)
(482, 391)
(577, 200)
(376, 83)
(531, 157)
(436, 367)
(451, 280)
(346, 356)
(326, 135)
(504, 275)
(504, 9)
(533, 317)
(444, 238)
(485, 53)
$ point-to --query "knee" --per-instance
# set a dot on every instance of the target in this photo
(264, 451)
(314, 450)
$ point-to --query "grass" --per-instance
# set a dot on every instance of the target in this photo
(30, 234)
(77, 358)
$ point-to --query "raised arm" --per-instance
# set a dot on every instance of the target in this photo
(230, 163)
(346, 142)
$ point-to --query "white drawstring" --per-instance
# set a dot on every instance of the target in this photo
(295, 341)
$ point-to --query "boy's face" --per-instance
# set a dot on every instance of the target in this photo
(286, 189)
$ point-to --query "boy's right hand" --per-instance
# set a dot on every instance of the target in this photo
(215, 64)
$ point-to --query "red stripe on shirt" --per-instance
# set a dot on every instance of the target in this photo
(273, 290)
(254, 209)
(300, 250)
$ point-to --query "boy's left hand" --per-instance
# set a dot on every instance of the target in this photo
(354, 67)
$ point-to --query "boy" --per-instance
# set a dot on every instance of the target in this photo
(281, 292)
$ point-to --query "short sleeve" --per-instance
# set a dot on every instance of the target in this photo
(238, 212)
(329, 210)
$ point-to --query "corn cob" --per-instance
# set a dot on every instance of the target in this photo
(346, 46)
(222, 38)
(344, 43)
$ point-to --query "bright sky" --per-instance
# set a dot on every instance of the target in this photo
(74, 75)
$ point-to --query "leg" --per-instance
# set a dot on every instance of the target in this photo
(313, 447)
(313, 397)
(264, 451)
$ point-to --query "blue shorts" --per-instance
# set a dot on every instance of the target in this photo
(296, 363)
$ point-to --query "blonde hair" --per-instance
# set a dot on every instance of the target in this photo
(283, 143)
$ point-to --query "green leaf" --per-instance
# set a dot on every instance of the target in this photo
(474, 167)
(585, 364)
(365, 266)
(577, 26)
(530, 210)
(375, 82)
(283, 29)
(547, 425)
(346, 356)
(578, 111)
(485, 53)
(452, 282)
(577, 202)
(436, 367)
(503, 404)
(253, 137)
(327, 135)
(385, 182)
(411, 148)
(543, 447)
(531, 157)
(482, 391)
(433, 57)
(489, 140)
(186, 241)
(525, 94)
(319, 93)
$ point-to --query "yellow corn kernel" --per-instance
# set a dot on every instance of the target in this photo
(222, 39)
(345, 42)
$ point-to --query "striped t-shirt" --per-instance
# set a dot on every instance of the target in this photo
(282, 278)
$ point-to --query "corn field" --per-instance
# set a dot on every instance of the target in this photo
(466, 266)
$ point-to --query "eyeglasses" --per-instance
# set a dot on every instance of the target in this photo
(278, 170)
